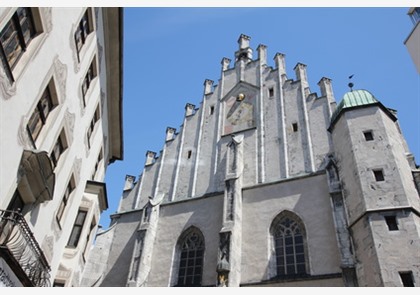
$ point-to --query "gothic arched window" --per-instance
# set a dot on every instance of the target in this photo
(288, 235)
(191, 254)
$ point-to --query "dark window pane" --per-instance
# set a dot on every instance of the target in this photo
(197, 280)
(77, 229)
(299, 249)
(12, 45)
(289, 250)
(45, 104)
(290, 259)
(301, 268)
(13, 50)
(407, 279)
(289, 240)
(35, 124)
(298, 239)
(300, 258)
(280, 271)
(290, 269)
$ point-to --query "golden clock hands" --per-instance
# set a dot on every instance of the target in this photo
(237, 103)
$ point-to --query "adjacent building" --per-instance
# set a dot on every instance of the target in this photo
(61, 126)
(413, 40)
(268, 183)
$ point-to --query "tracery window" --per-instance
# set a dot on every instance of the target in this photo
(191, 251)
(289, 242)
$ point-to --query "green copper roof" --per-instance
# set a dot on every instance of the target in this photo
(352, 99)
(356, 98)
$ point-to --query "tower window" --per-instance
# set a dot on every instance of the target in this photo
(391, 221)
(368, 135)
(211, 110)
(295, 127)
(379, 175)
(189, 154)
(407, 278)
(271, 92)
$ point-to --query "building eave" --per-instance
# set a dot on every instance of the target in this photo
(113, 31)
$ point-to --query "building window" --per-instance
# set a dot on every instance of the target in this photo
(191, 253)
(59, 284)
(15, 38)
(407, 278)
(39, 116)
(64, 201)
(368, 135)
(89, 234)
(211, 110)
(87, 80)
(271, 92)
(414, 14)
(379, 175)
(92, 124)
(59, 147)
(83, 30)
(77, 229)
(295, 127)
(95, 170)
(288, 235)
(391, 222)
(189, 153)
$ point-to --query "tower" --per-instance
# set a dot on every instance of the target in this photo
(376, 172)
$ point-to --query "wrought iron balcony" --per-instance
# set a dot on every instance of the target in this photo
(20, 249)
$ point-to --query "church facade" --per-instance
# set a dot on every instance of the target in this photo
(269, 184)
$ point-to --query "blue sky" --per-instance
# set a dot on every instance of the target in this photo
(169, 52)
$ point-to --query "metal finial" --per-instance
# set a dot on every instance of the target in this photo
(351, 84)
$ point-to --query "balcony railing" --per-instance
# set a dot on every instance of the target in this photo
(19, 242)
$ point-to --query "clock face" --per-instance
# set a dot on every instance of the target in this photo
(239, 112)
